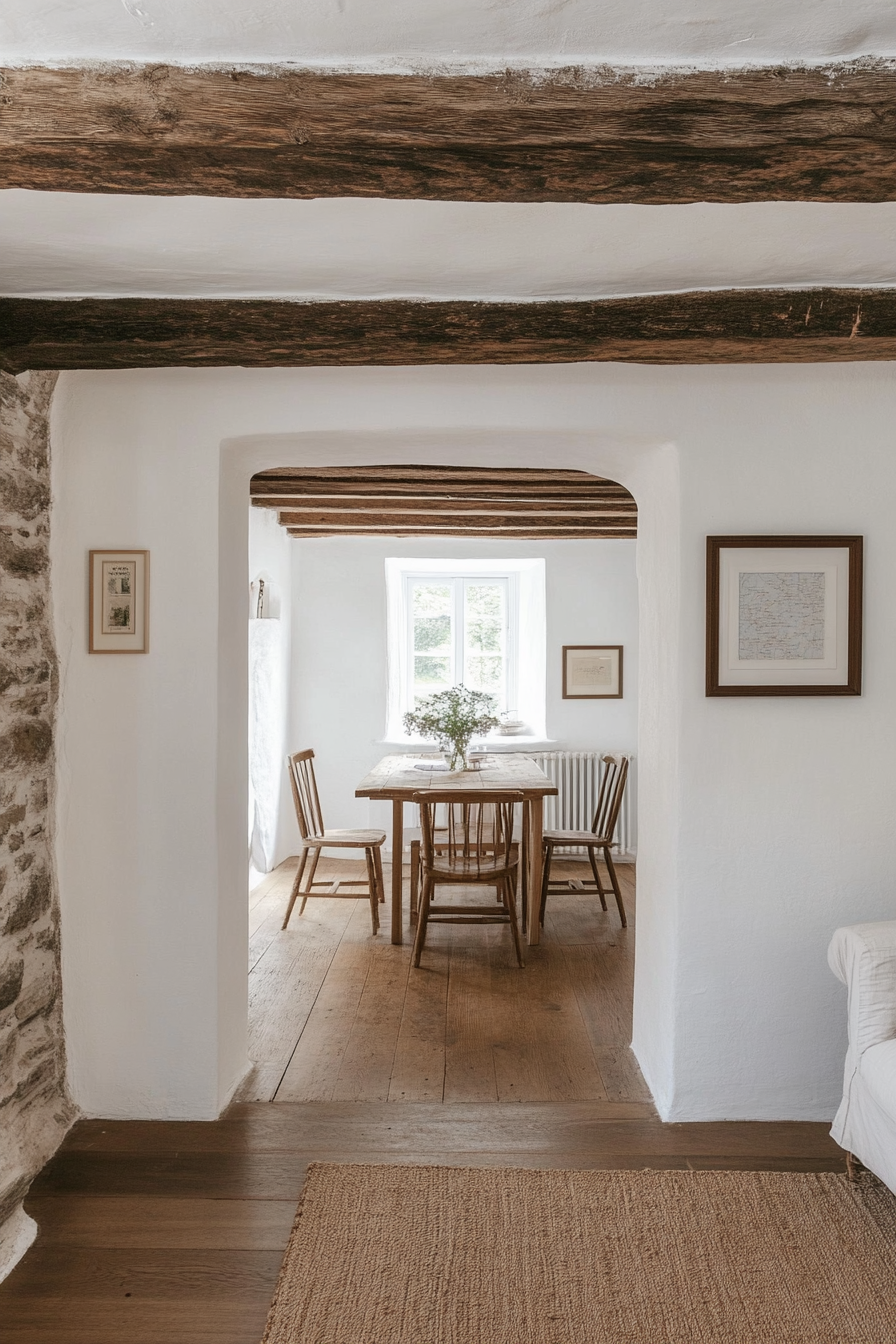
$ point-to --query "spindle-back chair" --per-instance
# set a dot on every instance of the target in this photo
(600, 839)
(315, 837)
(473, 846)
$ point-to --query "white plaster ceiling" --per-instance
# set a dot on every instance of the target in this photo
(395, 32)
(58, 244)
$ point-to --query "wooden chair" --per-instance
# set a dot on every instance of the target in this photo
(315, 838)
(599, 838)
(438, 840)
(475, 848)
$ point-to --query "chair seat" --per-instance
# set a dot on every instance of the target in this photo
(345, 840)
(575, 838)
(466, 870)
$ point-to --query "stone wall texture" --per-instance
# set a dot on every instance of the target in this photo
(34, 1109)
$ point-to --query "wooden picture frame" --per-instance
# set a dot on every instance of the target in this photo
(118, 620)
(592, 671)
(784, 615)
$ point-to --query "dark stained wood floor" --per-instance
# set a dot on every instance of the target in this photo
(173, 1232)
(337, 1015)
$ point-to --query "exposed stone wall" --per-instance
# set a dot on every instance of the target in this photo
(34, 1109)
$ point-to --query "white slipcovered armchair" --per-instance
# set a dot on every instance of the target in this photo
(864, 958)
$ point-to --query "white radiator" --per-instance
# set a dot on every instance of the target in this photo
(577, 775)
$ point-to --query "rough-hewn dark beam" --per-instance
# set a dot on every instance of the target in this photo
(497, 517)
(601, 135)
(444, 530)
(515, 503)
(703, 327)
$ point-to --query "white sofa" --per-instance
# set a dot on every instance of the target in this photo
(864, 958)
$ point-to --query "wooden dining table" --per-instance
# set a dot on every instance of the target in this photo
(396, 778)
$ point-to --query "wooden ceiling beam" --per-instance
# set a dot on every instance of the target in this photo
(433, 518)
(509, 534)
(577, 134)
(549, 509)
(701, 327)
(362, 503)
(418, 474)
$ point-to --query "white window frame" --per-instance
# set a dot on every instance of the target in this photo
(459, 583)
(526, 633)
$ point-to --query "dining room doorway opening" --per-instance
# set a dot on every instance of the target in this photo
(347, 567)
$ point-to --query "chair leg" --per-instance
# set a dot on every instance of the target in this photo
(592, 858)
(372, 891)
(547, 856)
(415, 879)
(510, 903)
(614, 882)
(295, 888)
(423, 919)
(380, 880)
(315, 860)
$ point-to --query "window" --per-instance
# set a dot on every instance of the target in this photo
(461, 629)
(476, 622)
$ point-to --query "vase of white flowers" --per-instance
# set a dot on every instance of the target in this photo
(453, 718)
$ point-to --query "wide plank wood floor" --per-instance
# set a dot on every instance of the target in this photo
(173, 1232)
(338, 1015)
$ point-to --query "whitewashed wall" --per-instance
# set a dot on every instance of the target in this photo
(764, 824)
(338, 677)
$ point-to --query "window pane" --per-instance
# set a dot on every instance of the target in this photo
(430, 671)
(485, 637)
(432, 634)
(432, 599)
(485, 600)
(486, 674)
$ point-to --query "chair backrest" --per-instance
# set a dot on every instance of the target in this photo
(477, 826)
(304, 794)
(609, 798)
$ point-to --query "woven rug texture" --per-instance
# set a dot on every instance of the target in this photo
(447, 1255)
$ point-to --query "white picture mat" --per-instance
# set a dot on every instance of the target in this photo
(829, 670)
(582, 661)
(119, 643)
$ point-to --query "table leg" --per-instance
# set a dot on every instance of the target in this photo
(536, 828)
(524, 867)
(397, 854)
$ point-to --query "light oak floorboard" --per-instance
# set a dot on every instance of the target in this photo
(348, 1018)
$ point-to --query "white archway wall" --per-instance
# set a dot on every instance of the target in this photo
(749, 856)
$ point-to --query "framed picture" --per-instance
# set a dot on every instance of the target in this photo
(119, 601)
(784, 615)
(592, 671)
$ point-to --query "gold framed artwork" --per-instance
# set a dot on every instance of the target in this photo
(784, 615)
(592, 671)
(119, 602)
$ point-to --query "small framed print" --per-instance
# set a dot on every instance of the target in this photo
(119, 601)
(592, 671)
(784, 615)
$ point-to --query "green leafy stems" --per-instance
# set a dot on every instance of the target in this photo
(453, 718)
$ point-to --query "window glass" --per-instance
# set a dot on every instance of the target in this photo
(485, 638)
(432, 621)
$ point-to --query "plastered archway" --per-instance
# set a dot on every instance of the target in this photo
(650, 472)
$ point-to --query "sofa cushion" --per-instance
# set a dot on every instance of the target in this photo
(878, 1072)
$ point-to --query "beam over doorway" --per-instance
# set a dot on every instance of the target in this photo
(598, 134)
(701, 327)
(424, 501)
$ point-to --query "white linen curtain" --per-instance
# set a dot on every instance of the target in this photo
(266, 749)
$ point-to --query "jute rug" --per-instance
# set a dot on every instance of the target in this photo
(441, 1255)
